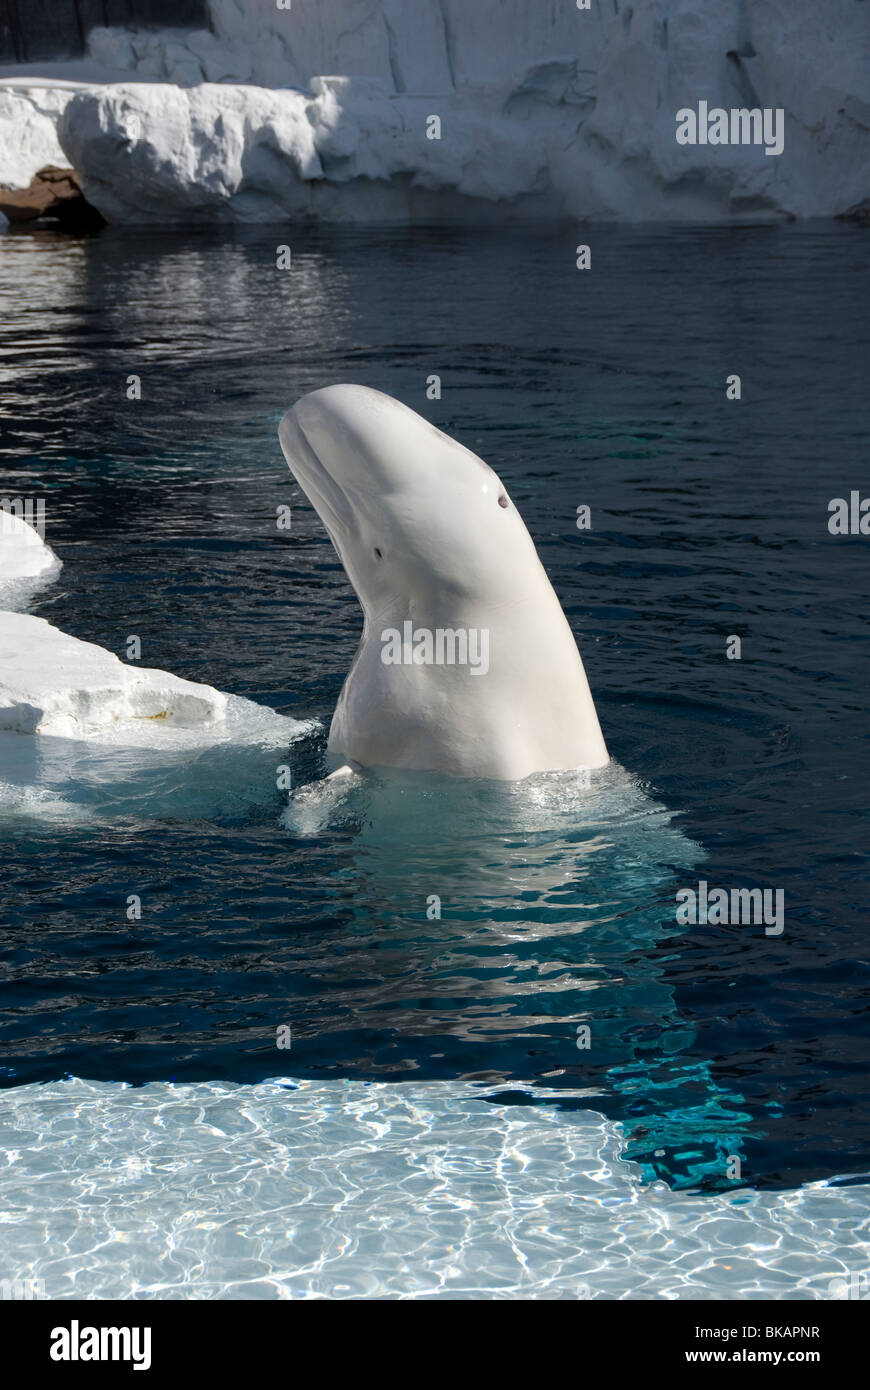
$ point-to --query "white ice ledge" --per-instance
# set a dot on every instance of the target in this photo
(51, 683)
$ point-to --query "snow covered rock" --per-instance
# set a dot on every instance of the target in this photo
(51, 683)
(155, 153)
(167, 153)
(28, 132)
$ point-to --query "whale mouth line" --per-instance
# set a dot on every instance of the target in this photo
(323, 492)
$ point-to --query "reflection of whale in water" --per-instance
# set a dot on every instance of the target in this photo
(556, 900)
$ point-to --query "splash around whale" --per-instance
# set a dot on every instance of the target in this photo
(444, 569)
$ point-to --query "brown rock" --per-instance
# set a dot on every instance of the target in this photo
(54, 193)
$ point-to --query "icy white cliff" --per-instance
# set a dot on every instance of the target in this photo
(544, 110)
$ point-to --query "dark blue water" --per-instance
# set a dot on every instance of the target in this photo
(709, 518)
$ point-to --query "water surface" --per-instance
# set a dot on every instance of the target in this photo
(709, 519)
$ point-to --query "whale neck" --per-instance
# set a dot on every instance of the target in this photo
(529, 602)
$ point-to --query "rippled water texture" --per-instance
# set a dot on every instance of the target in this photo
(709, 518)
(334, 1189)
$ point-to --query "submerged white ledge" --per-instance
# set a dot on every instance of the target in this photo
(351, 1189)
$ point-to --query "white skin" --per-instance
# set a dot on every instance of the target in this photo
(426, 531)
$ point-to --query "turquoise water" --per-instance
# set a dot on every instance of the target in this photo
(557, 902)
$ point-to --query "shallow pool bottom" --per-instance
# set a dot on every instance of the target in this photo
(301, 1189)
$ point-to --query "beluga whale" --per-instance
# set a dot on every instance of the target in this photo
(467, 665)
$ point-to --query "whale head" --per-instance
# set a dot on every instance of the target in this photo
(411, 513)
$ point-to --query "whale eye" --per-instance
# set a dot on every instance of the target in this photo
(378, 554)
(502, 501)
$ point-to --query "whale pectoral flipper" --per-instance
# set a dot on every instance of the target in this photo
(346, 770)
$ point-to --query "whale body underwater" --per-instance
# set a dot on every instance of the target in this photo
(467, 664)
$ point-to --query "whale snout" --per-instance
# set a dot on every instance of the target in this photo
(308, 464)
(339, 431)
(372, 445)
(356, 435)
